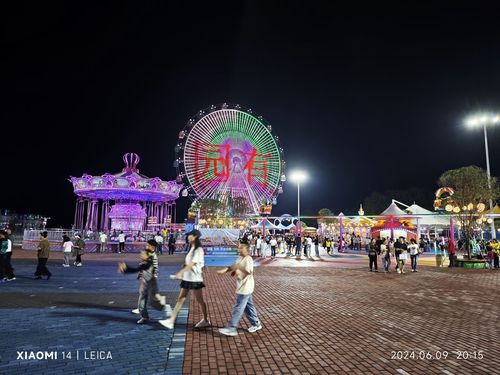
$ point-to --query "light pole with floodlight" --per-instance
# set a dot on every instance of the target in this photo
(485, 120)
(298, 177)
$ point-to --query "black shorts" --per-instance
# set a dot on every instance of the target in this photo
(192, 285)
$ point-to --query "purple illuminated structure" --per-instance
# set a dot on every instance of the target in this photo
(127, 201)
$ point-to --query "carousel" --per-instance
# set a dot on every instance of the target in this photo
(127, 201)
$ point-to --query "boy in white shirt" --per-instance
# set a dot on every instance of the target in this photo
(243, 269)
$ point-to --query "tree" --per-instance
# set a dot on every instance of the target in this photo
(472, 193)
(325, 216)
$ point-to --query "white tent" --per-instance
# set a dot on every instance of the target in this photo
(426, 217)
(393, 210)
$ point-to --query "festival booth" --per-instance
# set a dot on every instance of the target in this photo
(393, 222)
(427, 221)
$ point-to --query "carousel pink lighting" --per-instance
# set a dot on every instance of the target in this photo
(127, 201)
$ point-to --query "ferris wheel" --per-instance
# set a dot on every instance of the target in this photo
(230, 154)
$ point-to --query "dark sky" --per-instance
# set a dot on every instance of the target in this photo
(365, 99)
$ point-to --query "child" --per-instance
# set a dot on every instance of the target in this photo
(243, 269)
(148, 274)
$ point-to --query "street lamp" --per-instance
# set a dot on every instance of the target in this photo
(476, 121)
(298, 177)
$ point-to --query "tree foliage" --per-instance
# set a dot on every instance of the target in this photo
(470, 185)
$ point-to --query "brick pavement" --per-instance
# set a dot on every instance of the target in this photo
(320, 317)
(326, 320)
(83, 309)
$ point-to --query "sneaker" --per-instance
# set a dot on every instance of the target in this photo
(142, 321)
(74, 263)
(228, 331)
(79, 265)
(65, 265)
(203, 324)
(167, 323)
(403, 272)
(253, 329)
(398, 271)
(11, 279)
(135, 311)
(168, 310)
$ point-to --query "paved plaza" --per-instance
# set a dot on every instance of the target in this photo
(329, 316)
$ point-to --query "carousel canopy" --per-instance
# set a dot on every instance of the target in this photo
(128, 185)
(426, 217)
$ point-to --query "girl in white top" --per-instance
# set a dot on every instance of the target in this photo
(67, 247)
(192, 279)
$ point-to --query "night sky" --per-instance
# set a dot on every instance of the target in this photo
(364, 99)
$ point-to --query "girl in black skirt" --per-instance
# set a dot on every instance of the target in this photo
(192, 279)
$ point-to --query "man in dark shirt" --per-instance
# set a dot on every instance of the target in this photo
(399, 247)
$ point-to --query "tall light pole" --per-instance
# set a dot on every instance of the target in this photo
(298, 177)
(485, 120)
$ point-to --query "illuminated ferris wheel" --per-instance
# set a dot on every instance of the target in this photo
(230, 154)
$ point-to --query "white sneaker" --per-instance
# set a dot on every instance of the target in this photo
(253, 329)
(11, 279)
(167, 323)
(79, 265)
(135, 311)
(398, 271)
(65, 265)
(168, 310)
(228, 331)
(203, 324)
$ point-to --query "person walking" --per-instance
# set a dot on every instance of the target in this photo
(192, 279)
(43, 251)
(316, 246)
(385, 255)
(401, 250)
(78, 249)
(414, 251)
(273, 243)
(67, 249)
(258, 245)
(7, 271)
(103, 238)
(171, 244)
(159, 241)
(148, 276)
(121, 242)
(243, 269)
(372, 255)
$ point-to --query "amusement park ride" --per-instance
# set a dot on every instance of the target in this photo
(229, 153)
